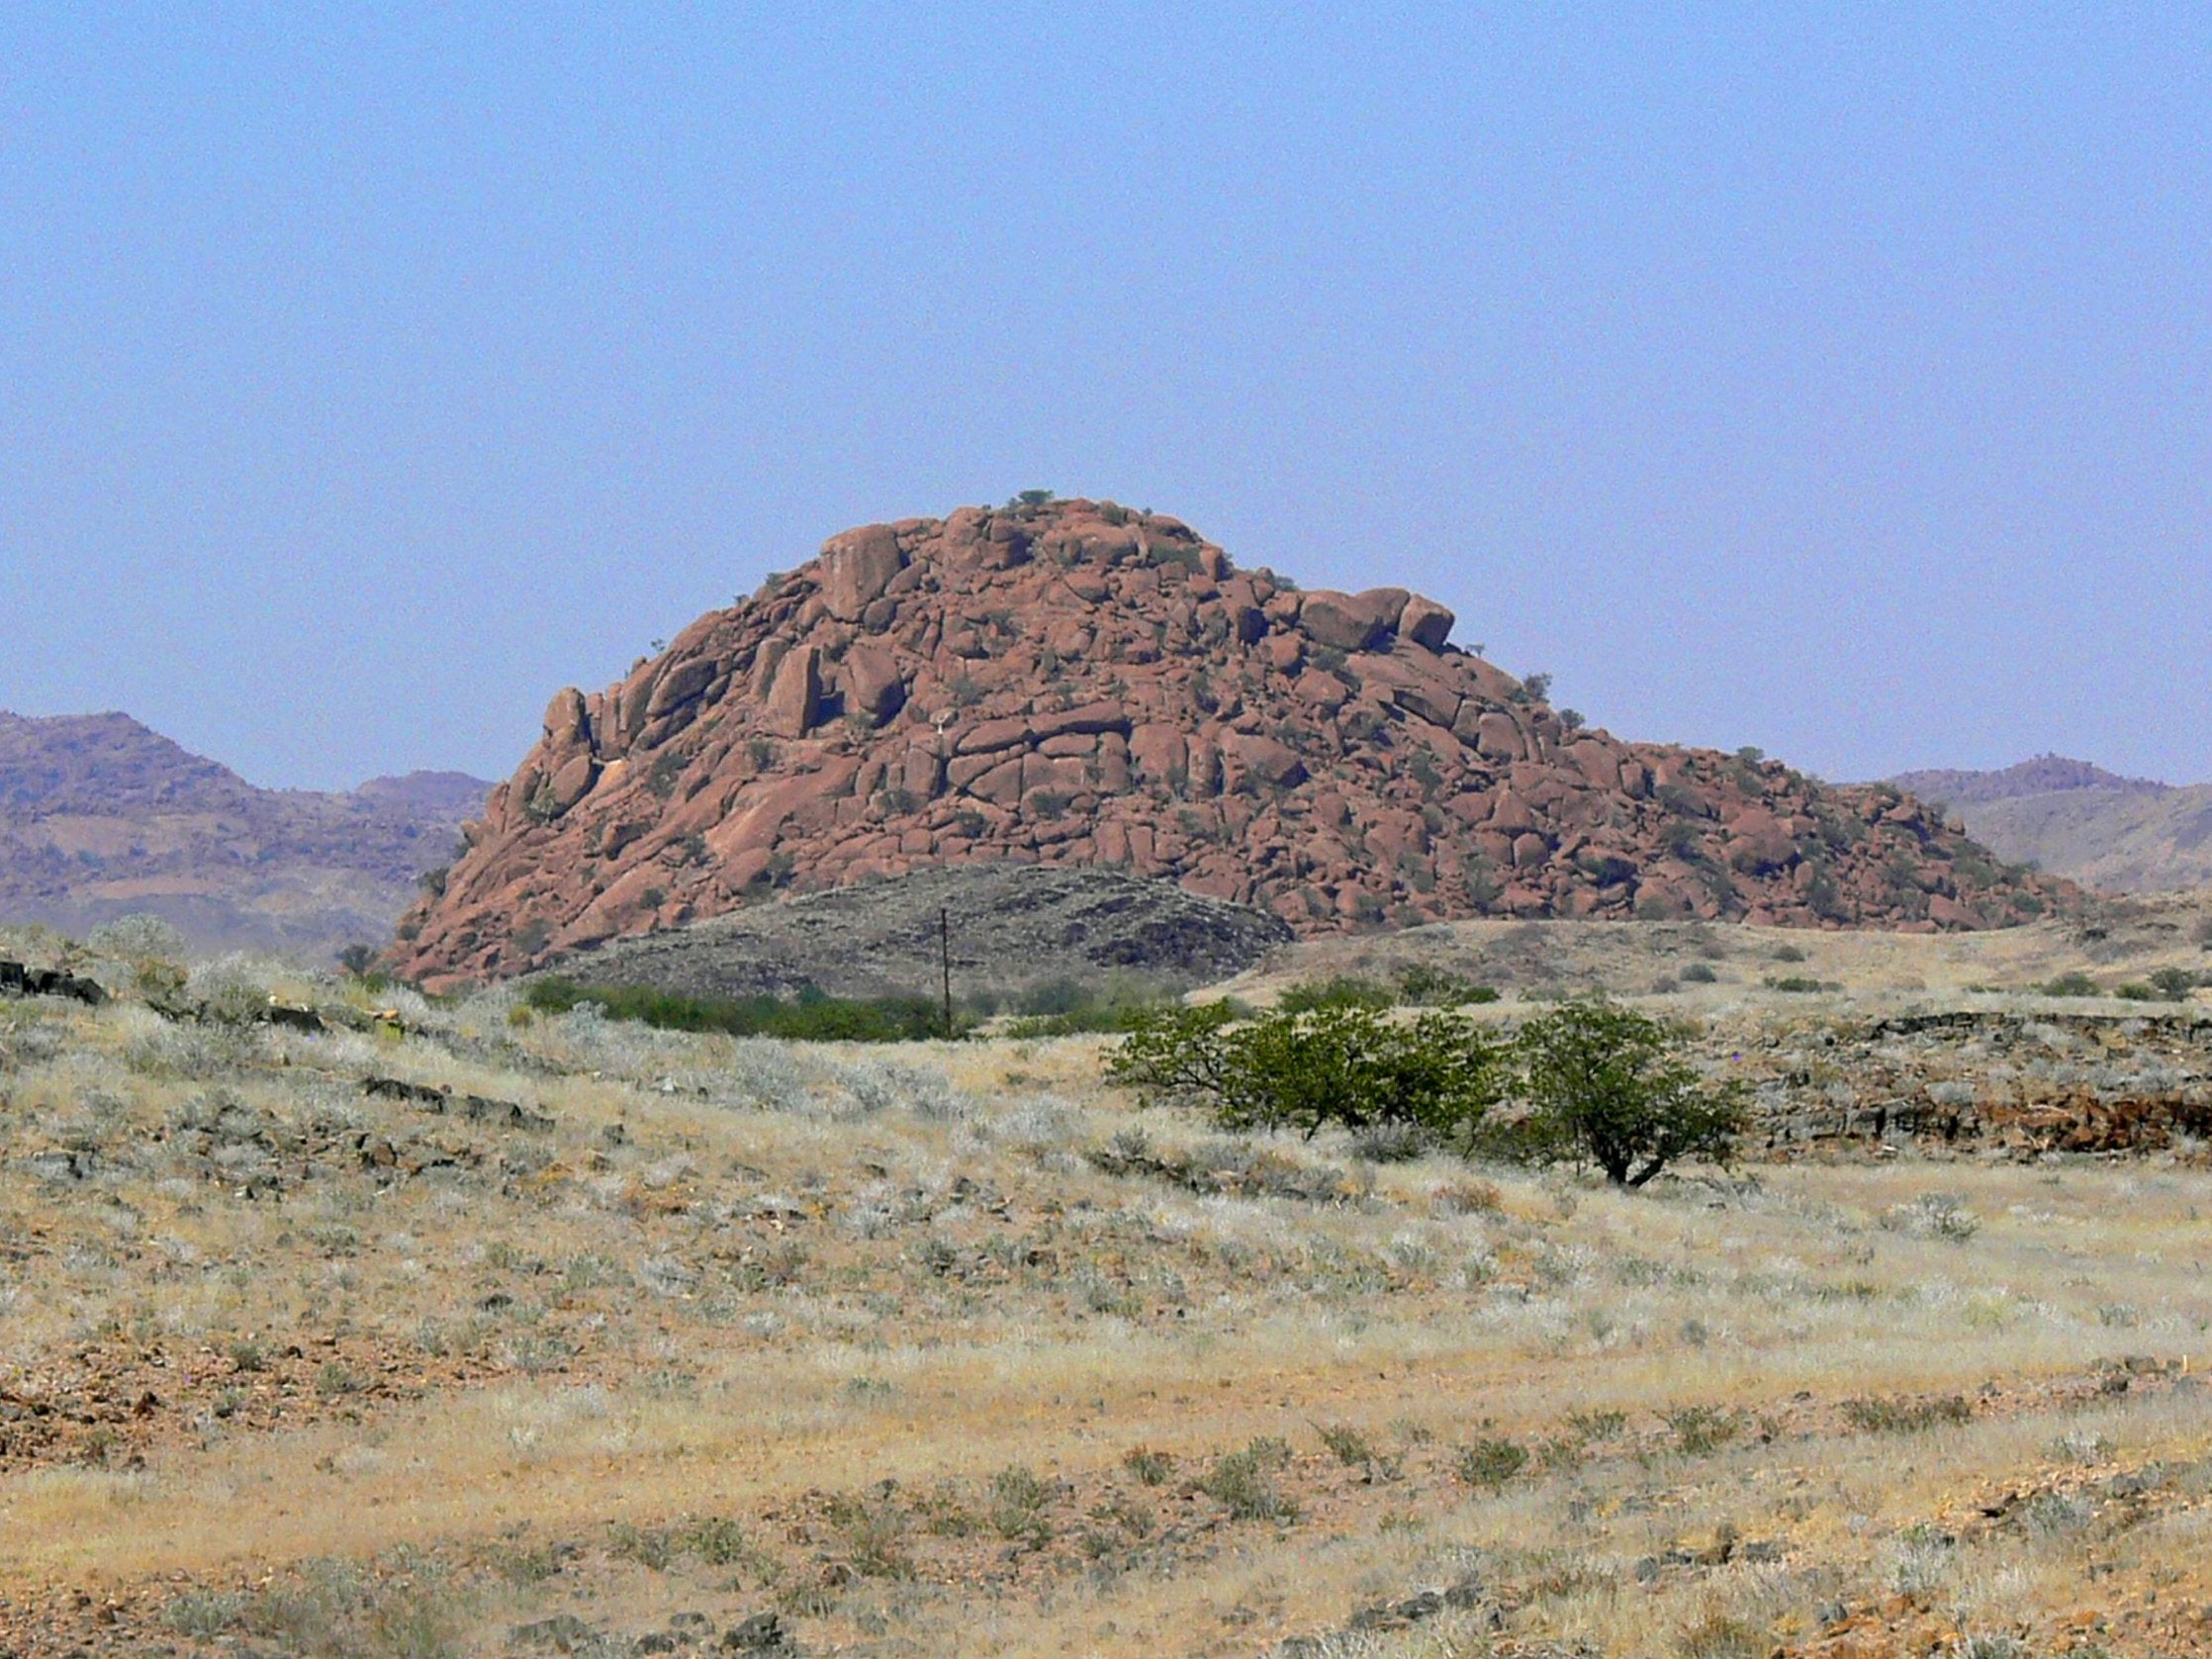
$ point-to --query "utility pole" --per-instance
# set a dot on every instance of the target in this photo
(945, 961)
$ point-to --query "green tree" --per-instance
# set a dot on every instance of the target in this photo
(1610, 1084)
(1348, 1066)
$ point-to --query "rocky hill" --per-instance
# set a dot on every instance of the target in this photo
(1074, 683)
(1008, 928)
(101, 818)
(2082, 822)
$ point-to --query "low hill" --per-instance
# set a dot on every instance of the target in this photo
(1071, 682)
(1008, 927)
(101, 818)
(2082, 822)
(2044, 775)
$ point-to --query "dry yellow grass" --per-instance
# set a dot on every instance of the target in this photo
(822, 1299)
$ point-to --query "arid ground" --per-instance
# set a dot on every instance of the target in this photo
(601, 1340)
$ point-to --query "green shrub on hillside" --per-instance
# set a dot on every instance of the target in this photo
(1439, 987)
(808, 1017)
(1345, 1066)
(1419, 985)
(2076, 984)
(1070, 1008)
(1341, 990)
(1596, 1081)
(1609, 1084)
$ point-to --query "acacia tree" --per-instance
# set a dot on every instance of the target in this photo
(1350, 1068)
(1610, 1084)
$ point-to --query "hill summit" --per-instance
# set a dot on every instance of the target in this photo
(1070, 682)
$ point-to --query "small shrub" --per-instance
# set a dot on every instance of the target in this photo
(1436, 987)
(1489, 1463)
(1905, 1417)
(873, 1536)
(1343, 990)
(2173, 984)
(1151, 1468)
(2075, 983)
(1699, 974)
(1934, 1215)
(335, 1379)
(205, 1614)
(1700, 1431)
(1243, 1483)
(1390, 1143)
(716, 1540)
(1018, 1498)
(1724, 1636)
(1589, 1426)
(651, 1547)
(1921, 1561)
(1347, 1445)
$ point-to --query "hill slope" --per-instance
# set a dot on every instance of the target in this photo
(1072, 683)
(1010, 927)
(101, 818)
(2082, 822)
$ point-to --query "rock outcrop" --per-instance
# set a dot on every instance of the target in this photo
(1074, 683)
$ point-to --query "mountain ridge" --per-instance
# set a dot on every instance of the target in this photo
(101, 816)
(2080, 821)
(2039, 775)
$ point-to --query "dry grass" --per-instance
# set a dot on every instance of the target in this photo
(866, 1339)
(2120, 941)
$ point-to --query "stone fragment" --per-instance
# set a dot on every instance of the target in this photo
(795, 702)
(1426, 622)
(1351, 622)
(857, 567)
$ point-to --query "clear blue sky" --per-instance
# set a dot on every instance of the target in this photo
(1831, 379)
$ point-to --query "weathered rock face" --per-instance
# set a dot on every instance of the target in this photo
(1079, 683)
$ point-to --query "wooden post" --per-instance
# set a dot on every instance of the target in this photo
(945, 961)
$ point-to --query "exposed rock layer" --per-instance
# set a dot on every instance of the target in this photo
(1079, 684)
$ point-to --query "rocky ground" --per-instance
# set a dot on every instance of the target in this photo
(1071, 682)
(1007, 927)
(481, 1332)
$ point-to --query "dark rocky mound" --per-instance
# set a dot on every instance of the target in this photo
(1009, 927)
(1070, 683)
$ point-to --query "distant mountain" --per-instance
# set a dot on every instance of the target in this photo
(2045, 775)
(101, 818)
(2079, 820)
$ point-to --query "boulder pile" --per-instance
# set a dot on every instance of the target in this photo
(1075, 683)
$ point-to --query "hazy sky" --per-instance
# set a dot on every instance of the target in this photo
(1831, 379)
